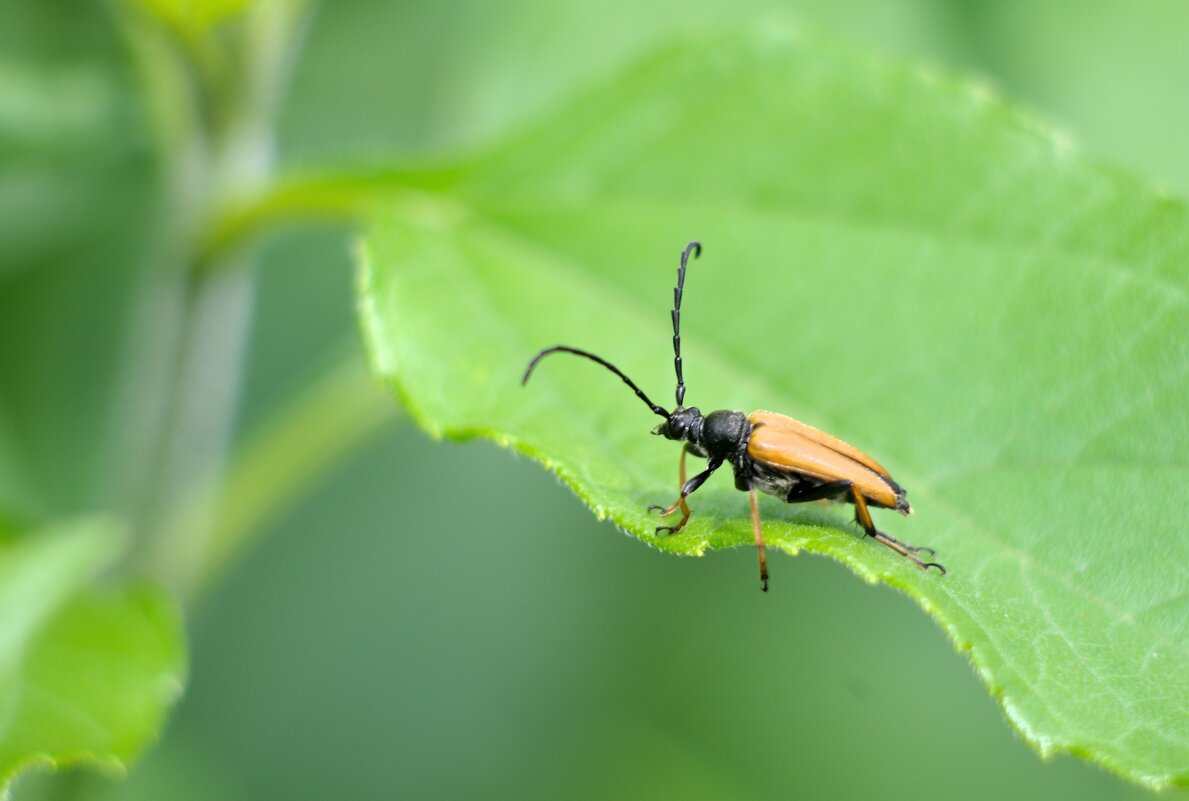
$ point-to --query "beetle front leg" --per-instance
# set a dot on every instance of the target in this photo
(681, 500)
(681, 483)
(688, 488)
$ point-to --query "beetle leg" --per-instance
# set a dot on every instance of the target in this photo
(687, 489)
(680, 504)
(834, 489)
(681, 483)
(761, 549)
(863, 518)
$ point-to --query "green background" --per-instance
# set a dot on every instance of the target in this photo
(446, 621)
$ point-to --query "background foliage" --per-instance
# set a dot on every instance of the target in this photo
(381, 615)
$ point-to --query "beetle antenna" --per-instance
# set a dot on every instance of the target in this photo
(564, 349)
(696, 249)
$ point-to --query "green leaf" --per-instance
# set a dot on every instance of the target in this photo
(892, 255)
(86, 674)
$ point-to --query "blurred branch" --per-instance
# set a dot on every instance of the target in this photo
(312, 197)
(213, 77)
(274, 465)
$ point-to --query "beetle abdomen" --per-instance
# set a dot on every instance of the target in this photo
(780, 483)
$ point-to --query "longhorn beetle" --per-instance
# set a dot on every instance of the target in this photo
(768, 452)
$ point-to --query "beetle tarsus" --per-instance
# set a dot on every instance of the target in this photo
(665, 512)
(913, 548)
(672, 529)
(906, 551)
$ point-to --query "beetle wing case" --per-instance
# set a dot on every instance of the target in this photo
(783, 443)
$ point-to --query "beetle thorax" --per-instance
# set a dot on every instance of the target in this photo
(721, 434)
(724, 434)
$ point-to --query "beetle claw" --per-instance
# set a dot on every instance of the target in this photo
(671, 529)
(665, 511)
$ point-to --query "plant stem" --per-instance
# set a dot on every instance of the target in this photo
(214, 119)
(197, 431)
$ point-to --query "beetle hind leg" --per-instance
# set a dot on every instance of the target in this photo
(863, 518)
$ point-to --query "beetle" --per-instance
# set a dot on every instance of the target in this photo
(769, 452)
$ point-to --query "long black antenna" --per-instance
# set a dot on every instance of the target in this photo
(564, 349)
(696, 249)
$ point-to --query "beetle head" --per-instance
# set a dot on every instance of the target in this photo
(682, 424)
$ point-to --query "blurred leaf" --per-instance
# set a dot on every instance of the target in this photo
(427, 76)
(85, 674)
(77, 214)
(63, 156)
(1119, 82)
(892, 255)
(52, 110)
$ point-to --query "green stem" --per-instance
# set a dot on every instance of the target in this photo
(320, 200)
(214, 117)
(201, 403)
(339, 196)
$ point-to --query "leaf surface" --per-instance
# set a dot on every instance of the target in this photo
(892, 255)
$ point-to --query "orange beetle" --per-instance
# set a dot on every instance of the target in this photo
(769, 452)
